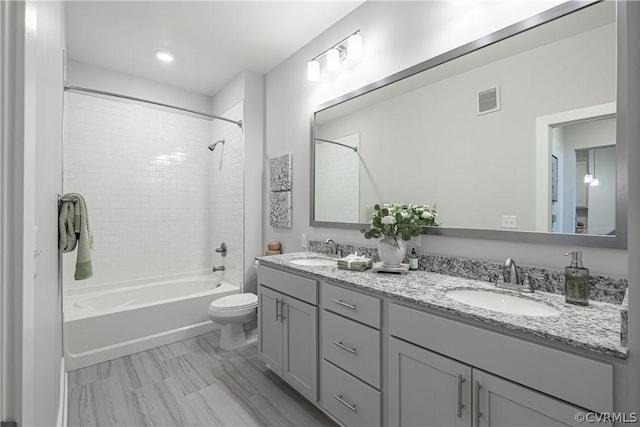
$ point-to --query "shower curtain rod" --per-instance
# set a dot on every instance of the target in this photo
(337, 143)
(67, 86)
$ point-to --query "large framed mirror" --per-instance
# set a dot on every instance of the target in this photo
(513, 136)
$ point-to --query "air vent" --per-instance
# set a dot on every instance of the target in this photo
(489, 100)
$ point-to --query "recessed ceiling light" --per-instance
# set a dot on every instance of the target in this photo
(163, 55)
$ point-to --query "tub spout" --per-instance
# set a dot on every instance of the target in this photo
(221, 268)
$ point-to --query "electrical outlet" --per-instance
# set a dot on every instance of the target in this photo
(303, 241)
(509, 221)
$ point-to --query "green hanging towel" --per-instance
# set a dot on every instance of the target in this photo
(74, 229)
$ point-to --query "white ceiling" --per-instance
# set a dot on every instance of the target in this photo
(212, 41)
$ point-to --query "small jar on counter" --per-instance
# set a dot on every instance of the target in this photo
(413, 260)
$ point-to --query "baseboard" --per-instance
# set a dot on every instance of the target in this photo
(62, 408)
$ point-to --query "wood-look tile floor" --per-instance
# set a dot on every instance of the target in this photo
(187, 383)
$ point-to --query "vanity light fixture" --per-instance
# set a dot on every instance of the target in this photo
(349, 47)
(333, 59)
(163, 55)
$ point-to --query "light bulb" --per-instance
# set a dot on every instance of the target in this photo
(588, 178)
(354, 46)
(333, 59)
(313, 71)
(164, 56)
(595, 182)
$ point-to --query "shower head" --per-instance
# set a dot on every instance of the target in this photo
(213, 146)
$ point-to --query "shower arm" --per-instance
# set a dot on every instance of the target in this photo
(213, 146)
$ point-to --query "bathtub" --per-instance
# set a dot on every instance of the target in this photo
(112, 321)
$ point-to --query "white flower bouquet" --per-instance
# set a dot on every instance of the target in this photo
(400, 220)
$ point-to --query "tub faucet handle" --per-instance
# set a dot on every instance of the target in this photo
(222, 250)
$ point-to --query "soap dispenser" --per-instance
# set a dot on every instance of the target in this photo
(576, 280)
(413, 260)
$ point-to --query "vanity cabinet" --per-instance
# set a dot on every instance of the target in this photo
(428, 389)
(288, 328)
(448, 362)
(415, 366)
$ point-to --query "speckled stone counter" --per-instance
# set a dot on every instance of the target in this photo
(624, 319)
(595, 328)
(601, 288)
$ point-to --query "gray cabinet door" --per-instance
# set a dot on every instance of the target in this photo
(270, 336)
(426, 389)
(506, 404)
(300, 362)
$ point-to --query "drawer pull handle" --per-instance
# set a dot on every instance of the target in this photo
(460, 405)
(344, 347)
(344, 304)
(476, 402)
(341, 400)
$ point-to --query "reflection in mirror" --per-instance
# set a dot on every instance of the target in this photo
(464, 135)
(338, 178)
(586, 167)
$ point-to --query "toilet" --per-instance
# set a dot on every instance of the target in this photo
(232, 312)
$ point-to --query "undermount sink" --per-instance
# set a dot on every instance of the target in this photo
(502, 303)
(313, 261)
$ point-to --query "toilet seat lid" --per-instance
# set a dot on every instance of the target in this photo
(235, 302)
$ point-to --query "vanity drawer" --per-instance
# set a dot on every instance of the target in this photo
(352, 346)
(351, 304)
(351, 401)
(290, 284)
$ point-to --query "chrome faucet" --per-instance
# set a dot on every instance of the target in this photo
(514, 278)
(332, 247)
(221, 268)
(513, 282)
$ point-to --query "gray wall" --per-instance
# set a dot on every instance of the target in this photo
(86, 75)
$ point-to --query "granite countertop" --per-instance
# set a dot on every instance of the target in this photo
(595, 327)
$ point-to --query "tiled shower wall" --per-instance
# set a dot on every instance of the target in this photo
(227, 195)
(145, 174)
